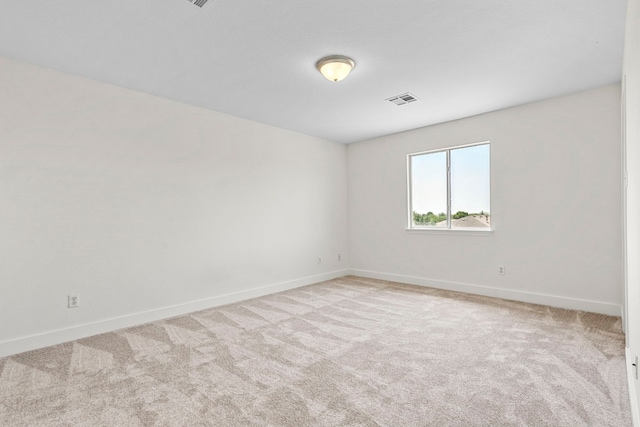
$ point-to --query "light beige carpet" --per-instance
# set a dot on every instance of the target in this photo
(348, 352)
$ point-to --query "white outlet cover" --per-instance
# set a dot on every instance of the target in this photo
(73, 301)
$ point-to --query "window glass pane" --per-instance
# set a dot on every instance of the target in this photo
(470, 202)
(429, 190)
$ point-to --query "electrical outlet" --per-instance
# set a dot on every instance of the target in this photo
(501, 269)
(73, 300)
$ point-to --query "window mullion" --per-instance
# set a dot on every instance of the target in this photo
(448, 188)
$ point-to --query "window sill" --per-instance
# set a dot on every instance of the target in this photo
(454, 231)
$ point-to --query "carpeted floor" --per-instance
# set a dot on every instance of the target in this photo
(348, 352)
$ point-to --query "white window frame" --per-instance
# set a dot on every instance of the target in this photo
(448, 229)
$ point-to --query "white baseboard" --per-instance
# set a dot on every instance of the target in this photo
(59, 336)
(633, 398)
(32, 342)
(528, 297)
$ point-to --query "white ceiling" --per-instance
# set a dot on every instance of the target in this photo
(256, 59)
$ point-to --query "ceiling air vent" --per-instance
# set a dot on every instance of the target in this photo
(405, 98)
(198, 3)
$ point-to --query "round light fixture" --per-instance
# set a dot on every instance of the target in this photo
(335, 67)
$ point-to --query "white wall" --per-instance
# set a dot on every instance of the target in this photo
(631, 75)
(139, 204)
(555, 204)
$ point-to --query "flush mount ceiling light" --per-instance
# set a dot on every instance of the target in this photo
(335, 67)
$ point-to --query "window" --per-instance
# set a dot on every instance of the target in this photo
(449, 189)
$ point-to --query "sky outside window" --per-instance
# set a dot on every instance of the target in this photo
(429, 183)
(470, 179)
